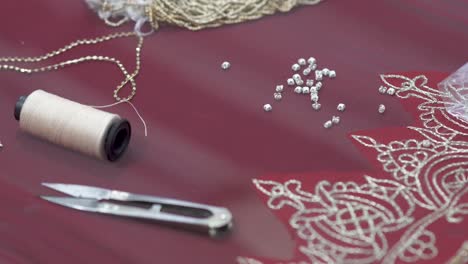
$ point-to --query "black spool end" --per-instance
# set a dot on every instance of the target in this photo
(117, 140)
(19, 107)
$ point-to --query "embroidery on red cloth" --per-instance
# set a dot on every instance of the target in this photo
(349, 222)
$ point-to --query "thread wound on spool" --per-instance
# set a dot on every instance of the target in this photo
(78, 127)
(19, 107)
(117, 140)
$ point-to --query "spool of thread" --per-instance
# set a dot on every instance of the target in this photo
(74, 126)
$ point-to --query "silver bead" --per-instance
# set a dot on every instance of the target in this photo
(310, 82)
(316, 106)
(306, 71)
(426, 143)
(391, 91)
(305, 90)
(328, 124)
(311, 60)
(341, 107)
(226, 65)
(302, 61)
(332, 74)
(313, 90)
(291, 82)
(381, 108)
(279, 88)
(382, 89)
(313, 67)
(318, 85)
(296, 67)
(298, 90)
(296, 77)
(314, 97)
(325, 71)
(278, 96)
(267, 108)
(299, 82)
(318, 75)
(335, 120)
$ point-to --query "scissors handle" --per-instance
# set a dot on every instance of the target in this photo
(212, 218)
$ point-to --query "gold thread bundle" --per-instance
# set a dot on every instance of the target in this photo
(190, 14)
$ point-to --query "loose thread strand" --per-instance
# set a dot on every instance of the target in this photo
(132, 105)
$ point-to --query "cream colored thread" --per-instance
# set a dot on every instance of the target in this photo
(134, 108)
(66, 123)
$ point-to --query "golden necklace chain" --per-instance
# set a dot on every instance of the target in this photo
(10, 63)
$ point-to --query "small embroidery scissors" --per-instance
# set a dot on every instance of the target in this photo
(200, 217)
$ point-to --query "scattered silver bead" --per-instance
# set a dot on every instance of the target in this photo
(226, 65)
(332, 74)
(305, 90)
(302, 61)
(341, 107)
(296, 67)
(279, 88)
(311, 60)
(267, 108)
(298, 90)
(310, 82)
(318, 85)
(313, 67)
(325, 72)
(318, 75)
(306, 71)
(335, 120)
(297, 77)
(314, 97)
(278, 96)
(382, 89)
(316, 106)
(381, 108)
(391, 91)
(328, 124)
(290, 82)
(313, 90)
(426, 143)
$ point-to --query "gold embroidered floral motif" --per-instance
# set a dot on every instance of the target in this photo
(347, 222)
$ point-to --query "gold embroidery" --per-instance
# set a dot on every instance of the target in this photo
(347, 222)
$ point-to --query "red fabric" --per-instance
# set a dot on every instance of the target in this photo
(208, 135)
(449, 236)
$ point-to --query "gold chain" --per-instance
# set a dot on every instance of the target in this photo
(9, 63)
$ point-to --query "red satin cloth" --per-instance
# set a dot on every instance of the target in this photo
(208, 135)
(395, 152)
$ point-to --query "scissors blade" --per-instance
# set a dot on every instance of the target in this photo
(89, 205)
(80, 191)
(95, 206)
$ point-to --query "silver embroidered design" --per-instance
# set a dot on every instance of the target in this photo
(349, 222)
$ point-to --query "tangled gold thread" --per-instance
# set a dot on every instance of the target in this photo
(198, 14)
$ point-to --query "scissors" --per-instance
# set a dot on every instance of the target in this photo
(199, 217)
